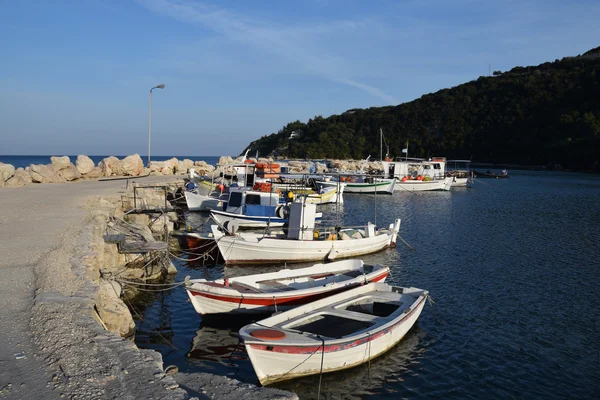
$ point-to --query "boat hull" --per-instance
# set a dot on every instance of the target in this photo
(331, 196)
(378, 187)
(259, 249)
(421, 186)
(207, 302)
(461, 182)
(275, 362)
(198, 202)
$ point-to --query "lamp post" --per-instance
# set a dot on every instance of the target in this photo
(161, 86)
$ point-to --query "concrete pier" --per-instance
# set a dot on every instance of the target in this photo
(45, 328)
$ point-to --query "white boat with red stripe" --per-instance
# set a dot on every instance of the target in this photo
(332, 334)
(281, 290)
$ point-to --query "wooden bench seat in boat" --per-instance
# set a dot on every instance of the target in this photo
(244, 288)
(275, 286)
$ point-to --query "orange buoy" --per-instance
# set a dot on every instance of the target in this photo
(404, 179)
(270, 334)
(420, 177)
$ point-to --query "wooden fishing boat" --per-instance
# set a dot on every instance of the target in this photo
(261, 248)
(332, 334)
(281, 290)
(417, 175)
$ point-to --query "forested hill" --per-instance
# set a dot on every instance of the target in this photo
(540, 115)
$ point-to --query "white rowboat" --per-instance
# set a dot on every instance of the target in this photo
(281, 290)
(332, 334)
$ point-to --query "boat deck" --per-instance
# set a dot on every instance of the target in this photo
(349, 316)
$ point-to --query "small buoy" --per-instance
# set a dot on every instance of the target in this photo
(404, 179)
(270, 334)
(290, 195)
(220, 187)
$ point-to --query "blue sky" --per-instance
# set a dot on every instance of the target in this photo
(75, 74)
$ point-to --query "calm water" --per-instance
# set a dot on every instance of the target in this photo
(26, 161)
(512, 267)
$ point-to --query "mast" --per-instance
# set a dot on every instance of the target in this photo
(380, 144)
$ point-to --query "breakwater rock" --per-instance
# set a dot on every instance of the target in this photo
(63, 170)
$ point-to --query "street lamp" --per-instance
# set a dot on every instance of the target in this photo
(161, 86)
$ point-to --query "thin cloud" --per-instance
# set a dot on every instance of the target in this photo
(289, 43)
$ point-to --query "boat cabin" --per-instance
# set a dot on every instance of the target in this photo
(458, 168)
(434, 168)
(251, 202)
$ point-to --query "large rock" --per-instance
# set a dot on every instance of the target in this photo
(20, 178)
(60, 163)
(185, 165)
(321, 168)
(6, 172)
(84, 164)
(156, 167)
(44, 174)
(170, 167)
(226, 160)
(111, 166)
(132, 165)
(202, 167)
(95, 173)
(70, 173)
(114, 313)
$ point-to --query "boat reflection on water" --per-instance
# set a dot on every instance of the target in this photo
(367, 379)
(216, 348)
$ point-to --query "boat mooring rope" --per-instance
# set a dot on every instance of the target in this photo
(321, 371)
(405, 242)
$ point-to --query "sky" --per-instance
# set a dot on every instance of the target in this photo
(75, 75)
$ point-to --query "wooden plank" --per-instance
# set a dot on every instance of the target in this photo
(142, 247)
(114, 238)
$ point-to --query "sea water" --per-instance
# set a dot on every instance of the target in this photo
(512, 267)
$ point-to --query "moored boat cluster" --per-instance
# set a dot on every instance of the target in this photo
(333, 315)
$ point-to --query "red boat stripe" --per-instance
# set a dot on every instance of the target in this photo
(289, 300)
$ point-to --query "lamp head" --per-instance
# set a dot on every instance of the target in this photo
(161, 86)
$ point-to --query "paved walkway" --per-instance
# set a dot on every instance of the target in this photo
(33, 220)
